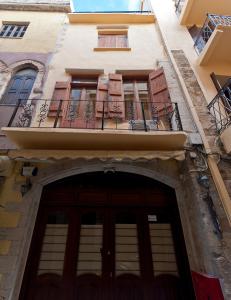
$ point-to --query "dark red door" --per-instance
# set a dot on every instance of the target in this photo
(104, 246)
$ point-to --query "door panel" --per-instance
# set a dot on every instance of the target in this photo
(48, 266)
(163, 253)
(127, 283)
(126, 235)
(90, 244)
(89, 264)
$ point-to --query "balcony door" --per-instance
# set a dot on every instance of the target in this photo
(79, 111)
(105, 245)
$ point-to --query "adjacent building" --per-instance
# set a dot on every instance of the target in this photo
(114, 151)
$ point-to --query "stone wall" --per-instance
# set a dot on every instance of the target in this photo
(221, 252)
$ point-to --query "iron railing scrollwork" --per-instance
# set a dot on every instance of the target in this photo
(210, 24)
(220, 108)
(83, 114)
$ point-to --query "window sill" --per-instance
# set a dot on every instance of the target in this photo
(111, 49)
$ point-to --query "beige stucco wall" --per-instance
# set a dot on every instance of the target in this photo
(177, 37)
(41, 34)
(196, 10)
(77, 51)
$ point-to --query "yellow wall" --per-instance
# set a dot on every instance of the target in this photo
(195, 11)
(41, 34)
(177, 37)
(77, 51)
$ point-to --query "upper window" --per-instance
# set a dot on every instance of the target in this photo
(13, 30)
(112, 40)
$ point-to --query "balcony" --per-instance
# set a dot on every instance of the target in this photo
(212, 41)
(193, 12)
(100, 125)
(220, 108)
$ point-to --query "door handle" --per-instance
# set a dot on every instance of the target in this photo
(105, 252)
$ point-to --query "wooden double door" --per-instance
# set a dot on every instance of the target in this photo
(110, 251)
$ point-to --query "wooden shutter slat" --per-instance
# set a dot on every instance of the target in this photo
(159, 92)
(116, 96)
(101, 98)
(61, 92)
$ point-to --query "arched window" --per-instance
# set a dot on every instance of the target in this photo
(20, 86)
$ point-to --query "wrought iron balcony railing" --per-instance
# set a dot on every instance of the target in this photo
(90, 114)
(220, 107)
(179, 5)
(211, 22)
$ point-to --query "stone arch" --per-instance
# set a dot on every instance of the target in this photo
(3, 66)
(17, 66)
(61, 170)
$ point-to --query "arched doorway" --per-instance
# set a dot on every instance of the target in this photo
(113, 236)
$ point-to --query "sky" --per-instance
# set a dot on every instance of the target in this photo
(106, 5)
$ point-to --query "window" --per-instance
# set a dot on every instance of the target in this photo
(20, 87)
(83, 89)
(13, 30)
(112, 39)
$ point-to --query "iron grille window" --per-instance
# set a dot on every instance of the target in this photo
(13, 30)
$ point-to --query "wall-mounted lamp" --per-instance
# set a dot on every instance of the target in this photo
(29, 171)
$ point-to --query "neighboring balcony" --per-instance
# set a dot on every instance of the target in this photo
(220, 108)
(100, 125)
(212, 42)
(193, 12)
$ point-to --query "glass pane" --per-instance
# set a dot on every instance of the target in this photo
(142, 85)
(90, 244)
(127, 254)
(75, 94)
(128, 86)
(91, 94)
(163, 253)
(54, 244)
(27, 72)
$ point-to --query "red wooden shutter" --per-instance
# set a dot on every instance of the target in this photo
(121, 41)
(116, 96)
(159, 91)
(61, 92)
(101, 98)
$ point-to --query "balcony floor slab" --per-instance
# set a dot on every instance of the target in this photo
(82, 139)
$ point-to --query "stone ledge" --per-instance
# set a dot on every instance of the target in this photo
(36, 7)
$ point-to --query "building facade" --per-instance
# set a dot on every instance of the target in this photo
(115, 180)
